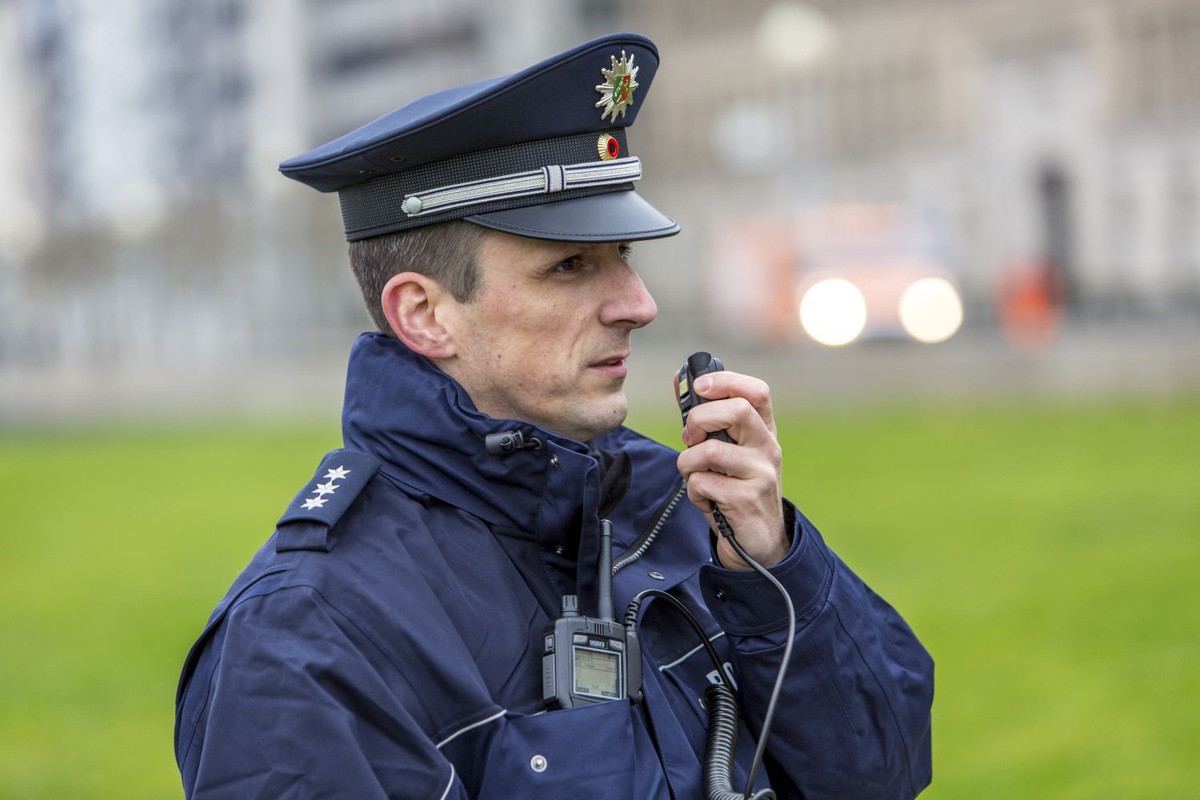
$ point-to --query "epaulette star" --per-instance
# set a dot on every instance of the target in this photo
(342, 475)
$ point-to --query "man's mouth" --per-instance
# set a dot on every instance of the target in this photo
(614, 366)
(611, 360)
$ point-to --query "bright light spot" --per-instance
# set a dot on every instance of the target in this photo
(930, 310)
(795, 36)
(833, 312)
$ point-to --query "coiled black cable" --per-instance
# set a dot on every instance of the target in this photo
(768, 718)
(721, 740)
(720, 744)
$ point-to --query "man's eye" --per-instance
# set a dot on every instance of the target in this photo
(626, 251)
(568, 265)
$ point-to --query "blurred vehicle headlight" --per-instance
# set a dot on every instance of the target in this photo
(833, 311)
(931, 310)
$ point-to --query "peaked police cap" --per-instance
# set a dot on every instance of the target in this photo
(539, 153)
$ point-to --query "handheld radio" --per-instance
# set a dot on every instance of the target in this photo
(697, 364)
(588, 660)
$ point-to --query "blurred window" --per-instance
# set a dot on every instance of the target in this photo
(882, 103)
(1161, 58)
(359, 55)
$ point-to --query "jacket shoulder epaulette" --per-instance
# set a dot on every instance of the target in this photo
(317, 507)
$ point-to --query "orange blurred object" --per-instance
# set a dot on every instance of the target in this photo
(1029, 302)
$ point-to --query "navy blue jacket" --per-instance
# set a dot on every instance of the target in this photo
(386, 641)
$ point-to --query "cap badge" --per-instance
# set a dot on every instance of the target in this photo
(616, 93)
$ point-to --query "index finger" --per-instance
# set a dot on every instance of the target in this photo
(726, 384)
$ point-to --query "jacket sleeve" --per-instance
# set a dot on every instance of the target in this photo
(280, 701)
(853, 719)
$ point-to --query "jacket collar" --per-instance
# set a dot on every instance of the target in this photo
(432, 440)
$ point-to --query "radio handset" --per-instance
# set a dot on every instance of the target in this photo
(697, 364)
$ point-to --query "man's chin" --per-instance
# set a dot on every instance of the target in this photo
(603, 420)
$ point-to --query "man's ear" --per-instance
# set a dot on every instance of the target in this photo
(411, 304)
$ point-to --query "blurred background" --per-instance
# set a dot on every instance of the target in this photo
(1020, 181)
(960, 239)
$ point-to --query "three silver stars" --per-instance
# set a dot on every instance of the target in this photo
(329, 487)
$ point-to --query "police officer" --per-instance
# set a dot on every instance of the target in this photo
(395, 636)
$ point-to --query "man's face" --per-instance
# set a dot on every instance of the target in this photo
(546, 338)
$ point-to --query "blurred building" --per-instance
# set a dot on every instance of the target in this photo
(1056, 137)
(19, 206)
(147, 103)
(142, 219)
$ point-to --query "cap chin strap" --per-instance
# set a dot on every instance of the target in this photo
(546, 180)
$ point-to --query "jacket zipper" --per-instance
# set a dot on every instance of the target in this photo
(639, 548)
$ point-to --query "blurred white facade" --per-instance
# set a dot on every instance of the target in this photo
(142, 219)
(146, 103)
(19, 207)
(1024, 132)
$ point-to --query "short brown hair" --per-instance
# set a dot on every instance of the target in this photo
(444, 252)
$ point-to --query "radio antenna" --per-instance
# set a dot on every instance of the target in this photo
(604, 573)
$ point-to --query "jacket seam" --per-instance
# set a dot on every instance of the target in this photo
(200, 714)
(887, 699)
(690, 653)
(449, 783)
(350, 621)
(472, 726)
(210, 632)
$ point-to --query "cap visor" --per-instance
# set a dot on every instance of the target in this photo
(614, 217)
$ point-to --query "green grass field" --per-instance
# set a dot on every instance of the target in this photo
(1048, 556)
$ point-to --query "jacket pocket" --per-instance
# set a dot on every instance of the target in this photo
(572, 754)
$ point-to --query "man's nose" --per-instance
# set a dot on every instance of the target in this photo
(631, 303)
